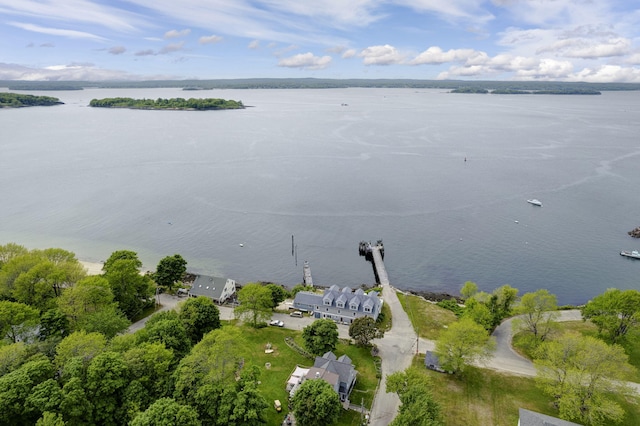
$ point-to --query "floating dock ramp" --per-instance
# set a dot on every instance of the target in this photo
(306, 274)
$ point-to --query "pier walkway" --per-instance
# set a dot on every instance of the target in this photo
(378, 263)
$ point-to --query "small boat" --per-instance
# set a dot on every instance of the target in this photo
(535, 202)
(634, 254)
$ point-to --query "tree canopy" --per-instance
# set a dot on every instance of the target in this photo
(615, 312)
(170, 270)
(463, 343)
(255, 304)
(415, 392)
(580, 373)
(199, 316)
(173, 103)
(363, 330)
(537, 313)
(320, 336)
(315, 403)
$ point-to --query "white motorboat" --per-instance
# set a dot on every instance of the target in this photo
(535, 202)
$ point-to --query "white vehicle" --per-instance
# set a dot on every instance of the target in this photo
(296, 314)
(277, 323)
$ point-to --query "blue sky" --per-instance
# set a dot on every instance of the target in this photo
(559, 40)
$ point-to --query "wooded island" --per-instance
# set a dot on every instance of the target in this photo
(17, 100)
(171, 104)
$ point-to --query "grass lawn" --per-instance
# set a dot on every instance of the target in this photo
(283, 361)
(587, 328)
(486, 397)
(428, 318)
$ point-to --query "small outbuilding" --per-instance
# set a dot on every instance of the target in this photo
(432, 362)
(531, 418)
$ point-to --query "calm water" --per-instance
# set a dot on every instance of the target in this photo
(388, 165)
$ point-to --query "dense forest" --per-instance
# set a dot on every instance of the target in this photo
(171, 104)
(317, 83)
(509, 91)
(17, 100)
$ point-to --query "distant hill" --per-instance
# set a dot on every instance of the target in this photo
(323, 83)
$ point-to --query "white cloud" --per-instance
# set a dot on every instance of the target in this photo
(608, 73)
(305, 61)
(254, 44)
(84, 11)
(212, 39)
(117, 50)
(171, 47)
(177, 34)
(585, 48)
(467, 10)
(435, 55)
(82, 72)
(56, 31)
(349, 53)
(381, 55)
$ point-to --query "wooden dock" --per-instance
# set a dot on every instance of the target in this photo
(375, 254)
(306, 274)
(378, 263)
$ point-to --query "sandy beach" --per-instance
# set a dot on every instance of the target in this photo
(92, 268)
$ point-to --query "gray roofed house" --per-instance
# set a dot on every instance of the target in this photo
(342, 306)
(342, 367)
(531, 418)
(216, 288)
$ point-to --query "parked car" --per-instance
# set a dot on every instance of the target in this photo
(277, 323)
(277, 405)
(296, 314)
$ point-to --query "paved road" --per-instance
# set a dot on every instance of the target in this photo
(397, 349)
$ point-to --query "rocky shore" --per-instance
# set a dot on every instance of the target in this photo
(635, 233)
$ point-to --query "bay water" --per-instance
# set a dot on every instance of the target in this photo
(442, 178)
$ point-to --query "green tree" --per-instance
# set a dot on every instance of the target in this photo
(50, 419)
(170, 270)
(363, 330)
(12, 356)
(15, 388)
(151, 365)
(90, 306)
(501, 302)
(255, 304)
(80, 344)
(44, 397)
(278, 294)
(615, 312)
(537, 314)
(17, 320)
(415, 392)
(199, 316)
(321, 336)
(463, 343)
(206, 377)
(469, 289)
(169, 331)
(581, 373)
(121, 255)
(9, 251)
(132, 291)
(478, 312)
(75, 406)
(315, 403)
(54, 325)
(107, 379)
(167, 412)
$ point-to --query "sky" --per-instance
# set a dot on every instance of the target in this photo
(527, 40)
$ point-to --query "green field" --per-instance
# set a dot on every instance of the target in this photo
(486, 397)
(283, 360)
(427, 318)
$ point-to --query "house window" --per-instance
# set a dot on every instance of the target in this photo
(327, 309)
(367, 309)
(354, 314)
(338, 310)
